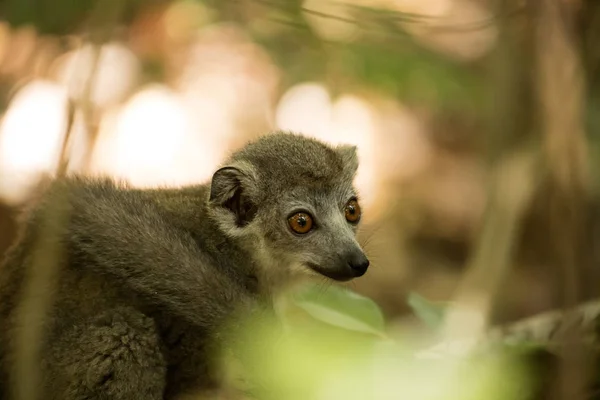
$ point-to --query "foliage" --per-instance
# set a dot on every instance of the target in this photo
(333, 345)
(430, 313)
(62, 17)
(342, 308)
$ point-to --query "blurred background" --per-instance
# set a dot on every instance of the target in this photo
(435, 93)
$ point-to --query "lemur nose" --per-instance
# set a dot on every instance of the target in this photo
(359, 263)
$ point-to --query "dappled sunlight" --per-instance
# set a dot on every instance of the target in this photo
(31, 137)
(306, 108)
(149, 131)
(228, 84)
(114, 71)
(150, 142)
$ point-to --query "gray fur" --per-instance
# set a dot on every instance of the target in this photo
(152, 276)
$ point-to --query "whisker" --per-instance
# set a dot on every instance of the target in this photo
(323, 285)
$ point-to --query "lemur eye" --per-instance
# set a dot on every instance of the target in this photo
(352, 211)
(301, 222)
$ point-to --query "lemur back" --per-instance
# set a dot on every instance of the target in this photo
(150, 277)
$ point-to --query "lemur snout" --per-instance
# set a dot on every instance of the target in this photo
(358, 263)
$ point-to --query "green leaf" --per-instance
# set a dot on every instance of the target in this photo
(430, 313)
(342, 308)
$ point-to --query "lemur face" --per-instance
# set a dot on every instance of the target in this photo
(293, 197)
(317, 229)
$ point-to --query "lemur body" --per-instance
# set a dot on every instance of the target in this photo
(151, 277)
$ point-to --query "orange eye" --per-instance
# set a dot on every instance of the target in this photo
(352, 211)
(301, 222)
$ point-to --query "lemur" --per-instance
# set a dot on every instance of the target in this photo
(150, 277)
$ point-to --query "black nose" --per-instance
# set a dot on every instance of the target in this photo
(359, 263)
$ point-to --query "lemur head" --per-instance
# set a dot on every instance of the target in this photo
(293, 198)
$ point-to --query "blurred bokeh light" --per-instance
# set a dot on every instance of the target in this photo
(144, 142)
(113, 71)
(31, 137)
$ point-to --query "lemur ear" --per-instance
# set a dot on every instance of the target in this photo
(349, 156)
(231, 188)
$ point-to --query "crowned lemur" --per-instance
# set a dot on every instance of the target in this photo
(151, 275)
